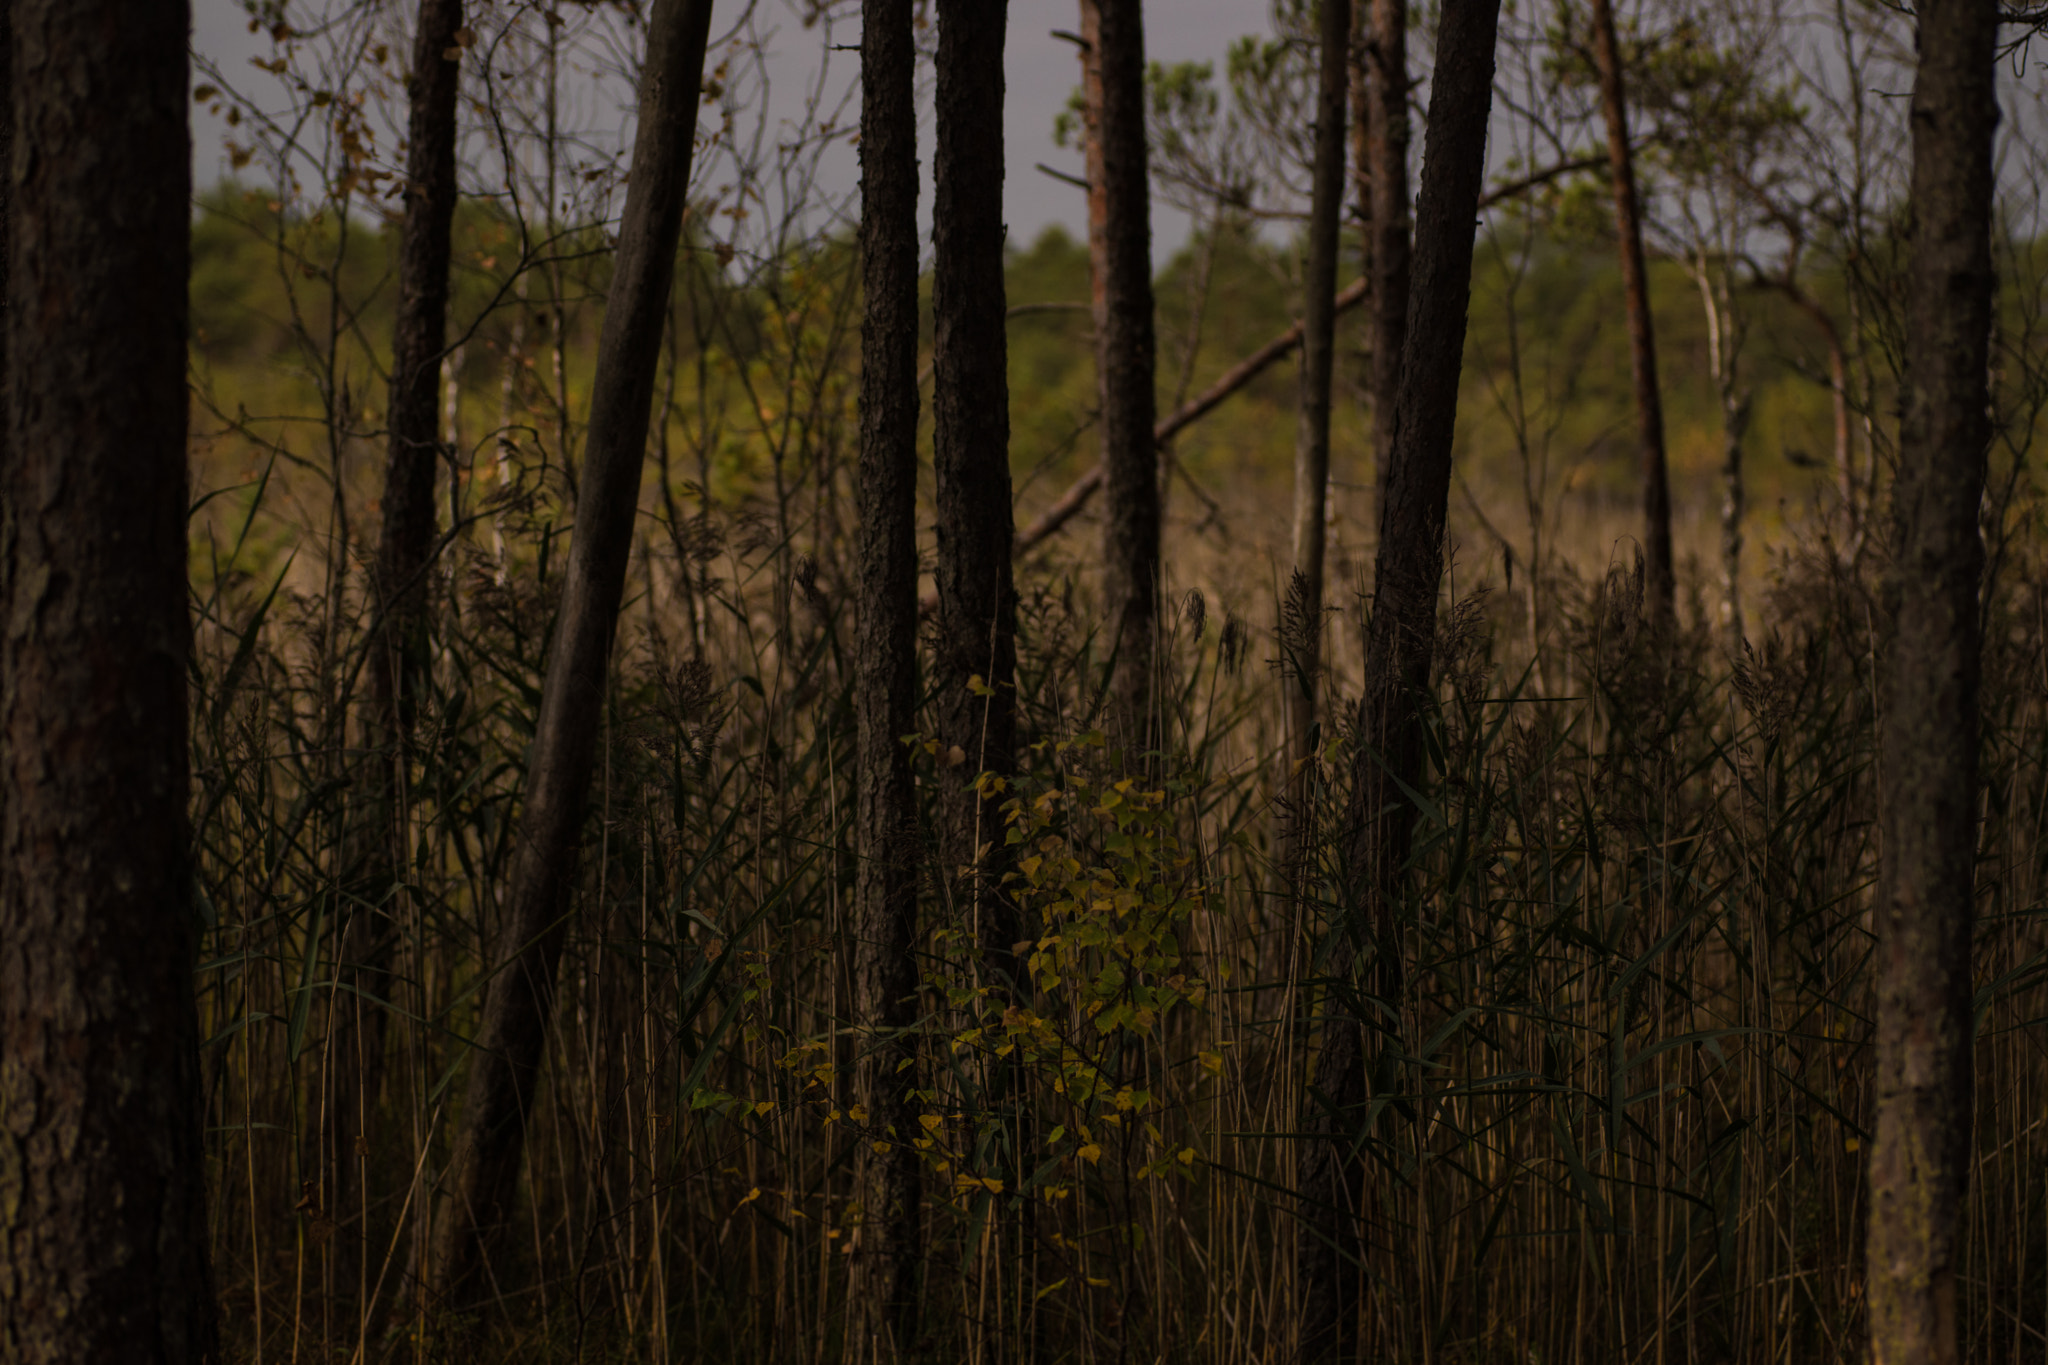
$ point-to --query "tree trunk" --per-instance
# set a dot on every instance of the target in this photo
(1399, 653)
(1628, 228)
(398, 636)
(1120, 260)
(1724, 346)
(490, 1141)
(1302, 631)
(971, 456)
(1928, 734)
(887, 1250)
(103, 1249)
(1387, 162)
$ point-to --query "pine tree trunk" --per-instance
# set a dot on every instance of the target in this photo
(971, 457)
(1399, 654)
(1928, 733)
(887, 1250)
(1392, 248)
(398, 637)
(479, 1190)
(1628, 226)
(103, 1249)
(1120, 257)
(1302, 639)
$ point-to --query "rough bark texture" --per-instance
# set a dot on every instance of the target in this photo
(399, 636)
(882, 1295)
(102, 1210)
(1661, 586)
(419, 337)
(977, 635)
(1399, 653)
(1919, 1164)
(490, 1140)
(1302, 640)
(1120, 256)
(1387, 161)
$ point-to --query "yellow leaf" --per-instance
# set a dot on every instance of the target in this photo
(1090, 1153)
(1852, 1145)
(931, 1122)
(1187, 1156)
(857, 1114)
(765, 1107)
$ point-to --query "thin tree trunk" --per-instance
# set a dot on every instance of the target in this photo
(1724, 346)
(1392, 247)
(490, 1141)
(1399, 653)
(1302, 633)
(1928, 733)
(103, 1247)
(1635, 283)
(1120, 257)
(398, 639)
(971, 452)
(888, 1247)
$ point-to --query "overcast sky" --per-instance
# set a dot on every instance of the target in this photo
(1042, 71)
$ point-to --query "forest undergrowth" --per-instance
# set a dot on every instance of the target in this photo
(1619, 1051)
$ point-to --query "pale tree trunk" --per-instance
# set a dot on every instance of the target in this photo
(480, 1187)
(1724, 347)
(103, 1248)
(1399, 653)
(1392, 248)
(398, 635)
(1928, 732)
(1628, 228)
(1301, 638)
(971, 460)
(1120, 258)
(887, 1246)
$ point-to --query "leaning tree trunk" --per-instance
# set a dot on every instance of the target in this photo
(887, 1247)
(1628, 226)
(1919, 1163)
(971, 459)
(398, 635)
(1120, 257)
(1301, 636)
(1387, 163)
(103, 1244)
(1399, 654)
(490, 1141)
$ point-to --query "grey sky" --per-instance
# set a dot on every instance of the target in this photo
(1042, 70)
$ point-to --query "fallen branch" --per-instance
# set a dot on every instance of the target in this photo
(1070, 503)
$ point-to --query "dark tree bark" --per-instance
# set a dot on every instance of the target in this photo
(419, 338)
(103, 1245)
(1120, 256)
(882, 1294)
(490, 1140)
(1302, 633)
(1628, 228)
(398, 638)
(1919, 1163)
(1387, 163)
(1399, 654)
(971, 455)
